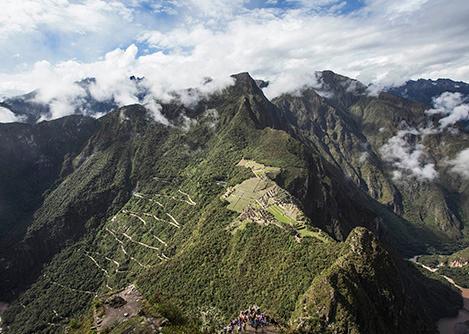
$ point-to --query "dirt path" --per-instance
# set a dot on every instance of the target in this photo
(174, 220)
(189, 199)
(116, 238)
(73, 289)
(172, 197)
(97, 264)
(172, 223)
(124, 250)
(146, 197)
(450, 325)
(112, 260)
(135, 215)
(100, 268)
(160, 241)
(139, 242)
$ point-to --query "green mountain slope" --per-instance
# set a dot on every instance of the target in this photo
(349, 128)
(394, 296)
(144, 203)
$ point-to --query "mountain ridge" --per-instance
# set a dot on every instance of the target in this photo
(132, 176)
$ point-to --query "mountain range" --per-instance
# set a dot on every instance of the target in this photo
(307, 204)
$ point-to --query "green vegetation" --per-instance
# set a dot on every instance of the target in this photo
(455, 266)
(366, 274)
(280, 215)
(460, 275)
(259, 170)
(432, 261)
(155, 206)
(261, 194)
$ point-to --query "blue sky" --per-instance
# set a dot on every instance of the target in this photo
(48, 40)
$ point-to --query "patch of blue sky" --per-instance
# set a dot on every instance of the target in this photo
(341, 7)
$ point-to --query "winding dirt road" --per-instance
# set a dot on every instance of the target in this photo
(451, 325)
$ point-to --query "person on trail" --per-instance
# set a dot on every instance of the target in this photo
(252, 316)
(245, 320)
(255, 323)
(241, 322)
(240, 325)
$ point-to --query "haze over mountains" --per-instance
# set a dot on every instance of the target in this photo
(344, 184)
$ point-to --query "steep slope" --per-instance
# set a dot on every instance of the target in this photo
(394, 296)
(350, 128)
(380, 120)
(96, 182)
(334, 133)
(146, 203)
(32, 159)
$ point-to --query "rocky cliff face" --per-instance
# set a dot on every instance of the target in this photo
(350, 129)
(130, 200)
(33, 160)
(335, 134)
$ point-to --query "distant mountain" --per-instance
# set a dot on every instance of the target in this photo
(31, 109)
(424, 91)
(291, 204)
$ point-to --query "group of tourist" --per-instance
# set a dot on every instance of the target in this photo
(252, 317)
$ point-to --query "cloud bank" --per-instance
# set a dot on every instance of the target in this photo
(452, 107)
(175, 45)
(409, 157)
(460, 164)
(6, 116)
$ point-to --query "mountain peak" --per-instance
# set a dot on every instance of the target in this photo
(425, 90)
(341, 83)
(246, 84)
(362, 241)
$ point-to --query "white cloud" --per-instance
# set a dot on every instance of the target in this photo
(165, 78)
(218, 8)
(409, 158)
(112, 76)
(155, 111)
(285, 47)
(460, 164)
(395, 8)
(452, 106)
(83, 16)
(32, 30)
(6, 116)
